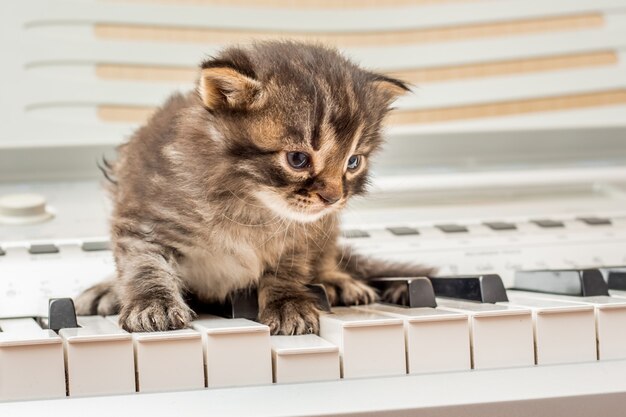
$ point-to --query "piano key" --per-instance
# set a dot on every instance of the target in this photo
(304, 358)
(481, 288)
(436, 340)
(99, 358)
(2, 252)
(167, 361)
(409, 292)
(31, 361)
(44, 248)
(595, 221)
(500, 225)
(575, 282)
(61, 314)
(615, 277)
(319, 292)
(369, 344)
(547, 223)
(403, 231)
(564, 332)
(354, 233)
(236, 351)
(451, 228)
(501, 335)
(610, 314)
(241, 304)
(96, 245)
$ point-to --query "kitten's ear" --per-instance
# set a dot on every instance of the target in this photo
(225, 87)
(389, 88)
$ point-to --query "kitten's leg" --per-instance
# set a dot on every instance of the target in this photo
(287, 306)
(340, 286)
(342, 289)
(100, 299)
(150, 289)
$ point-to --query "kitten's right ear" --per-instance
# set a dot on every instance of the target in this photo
(225, 87)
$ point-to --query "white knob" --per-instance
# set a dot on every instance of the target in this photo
(23, 209)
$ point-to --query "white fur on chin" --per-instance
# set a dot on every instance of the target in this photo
(279, 206)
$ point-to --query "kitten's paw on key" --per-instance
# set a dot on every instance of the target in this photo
(100, 299)
(355, 292)
(291, 317)
(156, 315)
(343, 289)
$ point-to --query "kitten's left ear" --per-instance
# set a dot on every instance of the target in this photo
(389, 88)
(225, 87)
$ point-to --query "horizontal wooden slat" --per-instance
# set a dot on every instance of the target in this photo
(418, 76)
(489, 69)
(145, 73)
(507, 108)
(376, 38)
(124, 114)
(303, 4)
(137, 114)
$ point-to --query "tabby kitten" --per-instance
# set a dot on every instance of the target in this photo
(240, 184)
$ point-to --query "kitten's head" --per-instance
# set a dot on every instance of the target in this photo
(298, 121)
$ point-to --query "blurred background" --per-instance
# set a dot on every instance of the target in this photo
(498, 84)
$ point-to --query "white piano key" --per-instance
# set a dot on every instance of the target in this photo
(564, 332)
(436, 340)
(98, 358)
(617, 293)
(236, 351)
(369, 344)
(610, 314)
(304, 358)
(31, 361)
(167, 361)
(501, 336)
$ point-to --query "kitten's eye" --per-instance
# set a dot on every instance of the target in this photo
(298, 160)
(354, 161)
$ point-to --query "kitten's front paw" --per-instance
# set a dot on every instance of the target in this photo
(355, 292)
(100, 299)
(291, 317)
(348, 291)
(155, 315)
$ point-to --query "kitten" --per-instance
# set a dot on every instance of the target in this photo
(240, 184)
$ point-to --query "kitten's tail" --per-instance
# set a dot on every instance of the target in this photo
(364, 267)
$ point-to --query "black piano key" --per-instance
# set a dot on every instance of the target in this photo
(93, 246)
(241, 304)
(547, 223)
(615, 277)
(61, 314)
(39, 249)
(481, 288)
(595, 221)
(500, 225)
(408, 292)
(403, 231)
(354, 233)
(244, 304)
(451, 228)
(575, 282)
(322, 298)
(2, 253)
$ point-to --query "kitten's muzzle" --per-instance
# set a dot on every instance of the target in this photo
(329, 198)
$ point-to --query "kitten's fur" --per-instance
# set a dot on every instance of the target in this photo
(205, 201)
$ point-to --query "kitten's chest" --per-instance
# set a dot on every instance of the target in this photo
(212, 270)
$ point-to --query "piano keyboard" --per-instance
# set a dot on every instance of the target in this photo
(508, 157)
(531, 328)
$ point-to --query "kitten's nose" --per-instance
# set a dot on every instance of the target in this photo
(328, 197)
